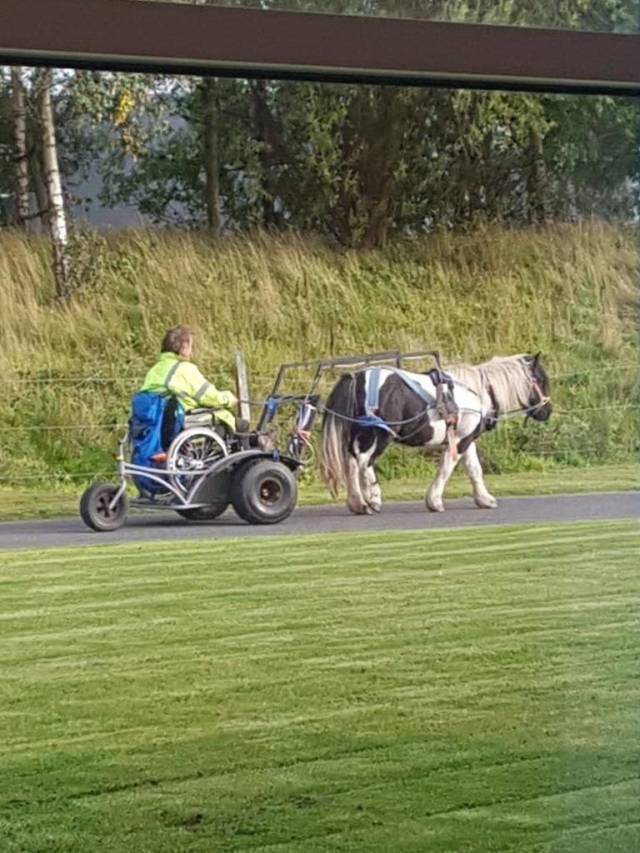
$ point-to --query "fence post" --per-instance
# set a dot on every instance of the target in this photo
(242, 386)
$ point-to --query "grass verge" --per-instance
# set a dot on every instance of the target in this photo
(19, 504)
(471, 690)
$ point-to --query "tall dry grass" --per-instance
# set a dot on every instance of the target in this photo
(570, 291)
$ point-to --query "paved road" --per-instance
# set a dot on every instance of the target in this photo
(164, 526)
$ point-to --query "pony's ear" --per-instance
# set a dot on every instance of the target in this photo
(536, 358)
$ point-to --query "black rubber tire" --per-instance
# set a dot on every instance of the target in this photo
(203, 513)
(94, 508)
(264, 492)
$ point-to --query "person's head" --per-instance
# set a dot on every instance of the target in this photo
(178, 340)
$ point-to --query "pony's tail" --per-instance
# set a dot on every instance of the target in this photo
(340, 409)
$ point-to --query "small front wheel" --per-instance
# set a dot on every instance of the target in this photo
(264, 492)
(96, 510)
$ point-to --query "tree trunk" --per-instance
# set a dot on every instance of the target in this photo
(39, 188)
(23, 207)
(537, 180)
(56, 218)
(210, 153)
(379, 169)
(371, 137)
(267, 133)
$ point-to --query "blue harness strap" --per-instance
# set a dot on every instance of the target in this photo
(373, 390)
(370, 419)
(374, 382)
(375, 422)
(410, 382)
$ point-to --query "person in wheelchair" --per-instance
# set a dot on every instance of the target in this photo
(175, 374)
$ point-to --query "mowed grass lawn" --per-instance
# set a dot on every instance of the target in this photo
(453, 691)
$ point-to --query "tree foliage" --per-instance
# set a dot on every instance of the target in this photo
(353, 163)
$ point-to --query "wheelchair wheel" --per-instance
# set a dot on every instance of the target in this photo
(96, 510)
(191, 453)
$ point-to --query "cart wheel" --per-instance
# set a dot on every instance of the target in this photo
(203, 513)
(264, 492)
(95, 508)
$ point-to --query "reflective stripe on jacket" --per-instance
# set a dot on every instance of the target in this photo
(173, 375)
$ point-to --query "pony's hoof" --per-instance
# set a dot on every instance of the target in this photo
(435, 506)
(488, 502)
(375, 506)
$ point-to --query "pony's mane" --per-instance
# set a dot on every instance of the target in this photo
(508, 379)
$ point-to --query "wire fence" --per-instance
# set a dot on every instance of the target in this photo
(123, 424)
(629, 372)
(257, 378)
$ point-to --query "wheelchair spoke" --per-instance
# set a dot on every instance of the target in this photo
(193, 455)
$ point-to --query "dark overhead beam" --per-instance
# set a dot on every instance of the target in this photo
(191, 39)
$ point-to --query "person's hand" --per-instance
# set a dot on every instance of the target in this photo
(233, 400)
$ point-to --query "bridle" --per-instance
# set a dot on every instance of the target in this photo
(543, 398)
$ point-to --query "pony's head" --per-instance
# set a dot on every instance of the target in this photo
(539, 404)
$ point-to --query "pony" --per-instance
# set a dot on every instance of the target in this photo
(369, 409)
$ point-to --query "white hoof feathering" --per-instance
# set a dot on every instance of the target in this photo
(375, 497)
(434, 504)
(486, 501)
(358, 508)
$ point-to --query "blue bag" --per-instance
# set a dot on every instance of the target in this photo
(145, 431)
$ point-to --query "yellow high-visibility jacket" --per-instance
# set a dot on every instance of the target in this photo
(172, 374)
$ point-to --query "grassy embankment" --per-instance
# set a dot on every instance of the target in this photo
(570, 291)
(471, 690)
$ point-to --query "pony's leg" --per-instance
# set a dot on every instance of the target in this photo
(364, 495)
(356, 498)
(481, 494)
(356, 501)
(436, 489)
(369, 485)
(374, 491)
(369, 479)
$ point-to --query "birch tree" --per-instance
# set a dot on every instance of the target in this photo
(23, 207)
(56, 218)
